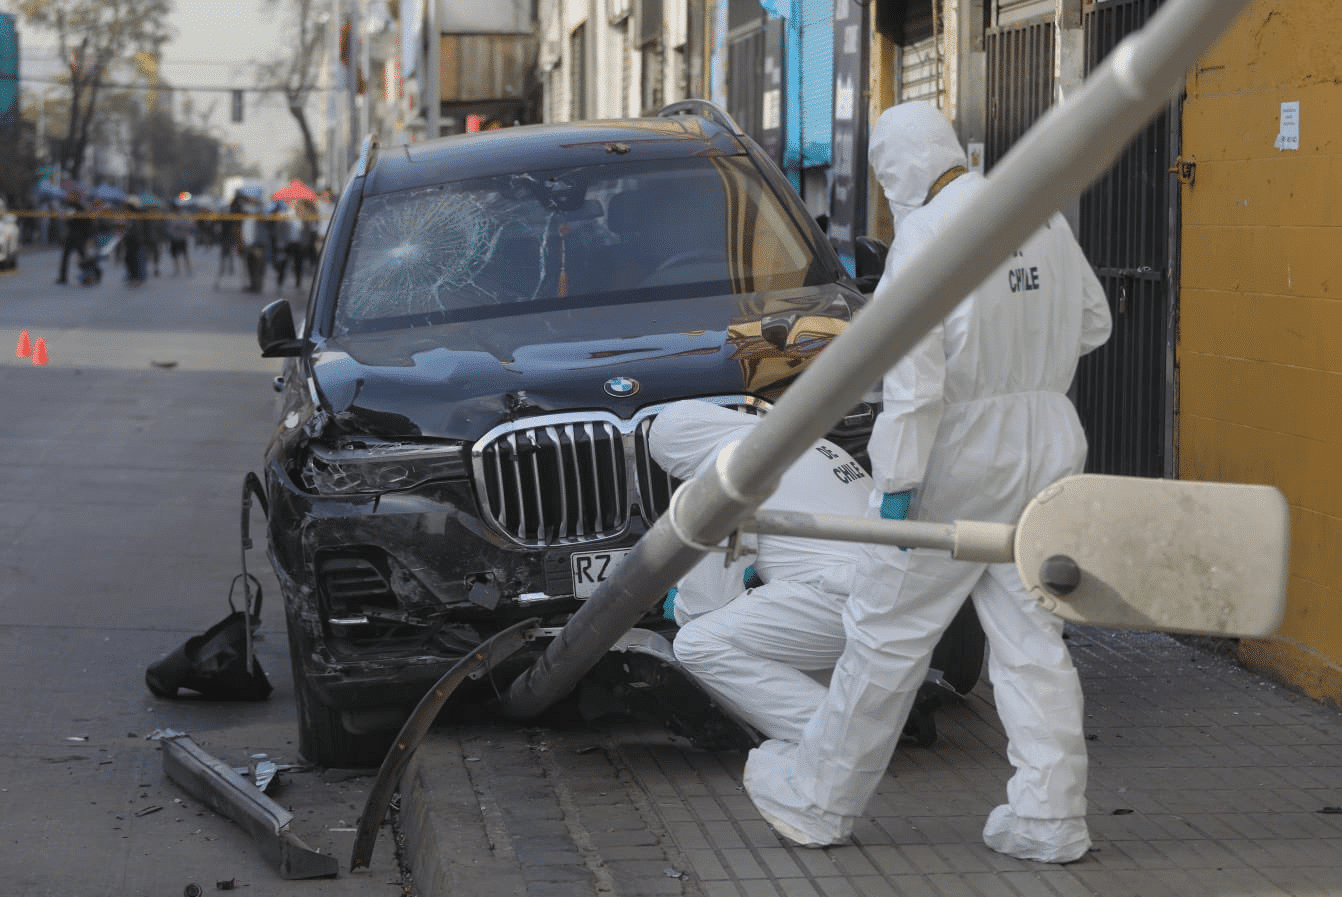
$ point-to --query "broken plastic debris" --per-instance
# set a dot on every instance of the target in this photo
(261, 770)
(160, 734)
(673, 873)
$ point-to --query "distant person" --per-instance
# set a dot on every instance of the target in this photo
(78, 231)
(283, 230)
(255, 244)
(180, 228)
(155, 235)
(133, 244)
(296, 237)
(230, 231)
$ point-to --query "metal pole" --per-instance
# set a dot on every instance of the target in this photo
(352, 79)
(335, 154)
(366, 63)
(1070, 147)
(966, 540)
(433, 97)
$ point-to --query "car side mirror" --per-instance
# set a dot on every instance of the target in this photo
(869, 260)
(275, 331)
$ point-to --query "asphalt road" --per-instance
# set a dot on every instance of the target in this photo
(123, 458)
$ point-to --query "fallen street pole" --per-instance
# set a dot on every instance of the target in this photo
(1059, 157)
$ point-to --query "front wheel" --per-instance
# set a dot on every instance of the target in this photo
(323, 739)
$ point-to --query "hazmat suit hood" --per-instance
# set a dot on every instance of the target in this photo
(912, 145)
(688, 433)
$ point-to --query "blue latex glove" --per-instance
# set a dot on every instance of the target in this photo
(669, 605)
(895, 505)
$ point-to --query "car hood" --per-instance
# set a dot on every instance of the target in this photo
(459, 380)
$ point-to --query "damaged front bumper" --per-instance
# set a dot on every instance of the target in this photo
(385, 593)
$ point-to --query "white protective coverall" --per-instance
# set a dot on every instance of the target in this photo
(975, 421)
(751, 648)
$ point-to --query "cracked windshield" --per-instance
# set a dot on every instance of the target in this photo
(464, 250)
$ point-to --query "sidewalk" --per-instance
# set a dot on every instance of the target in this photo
(1205, 780)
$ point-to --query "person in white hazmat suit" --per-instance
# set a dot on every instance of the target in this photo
(753, 648)
(975, 422)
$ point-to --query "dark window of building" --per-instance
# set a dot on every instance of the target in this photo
(650, 48)
(577, 72)
(649, 21)
(652, 77)
(904, 22)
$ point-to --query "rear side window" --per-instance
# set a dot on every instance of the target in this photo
(593, 235)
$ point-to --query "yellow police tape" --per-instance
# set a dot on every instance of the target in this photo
(124, 215)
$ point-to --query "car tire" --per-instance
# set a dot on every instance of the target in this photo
(323, 739)
(960, 653)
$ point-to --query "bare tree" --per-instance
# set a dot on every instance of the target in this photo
(91, 36)
(294, 72)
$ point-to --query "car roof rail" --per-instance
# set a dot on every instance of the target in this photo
(704, 109)
(367, 155)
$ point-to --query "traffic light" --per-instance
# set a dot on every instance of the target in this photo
(237, 107)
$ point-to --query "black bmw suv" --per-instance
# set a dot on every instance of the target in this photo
(495, 320)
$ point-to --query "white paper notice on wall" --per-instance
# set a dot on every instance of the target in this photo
(1288, 134)
(771, 112)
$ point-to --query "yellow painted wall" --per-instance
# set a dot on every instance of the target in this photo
(1260, 327)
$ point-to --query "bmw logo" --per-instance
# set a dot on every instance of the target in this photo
(621, 387)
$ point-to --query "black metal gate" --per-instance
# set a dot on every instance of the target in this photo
(1020, 82)
(1129, 230)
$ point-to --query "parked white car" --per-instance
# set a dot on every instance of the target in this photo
(9, 239)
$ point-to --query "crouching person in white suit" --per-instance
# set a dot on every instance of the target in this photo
(755, 648)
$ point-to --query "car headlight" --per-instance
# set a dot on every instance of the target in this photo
(361, 466)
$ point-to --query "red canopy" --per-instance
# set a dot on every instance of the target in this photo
(296, 190)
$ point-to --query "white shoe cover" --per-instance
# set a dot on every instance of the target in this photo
(768, 782)
(1044, 840)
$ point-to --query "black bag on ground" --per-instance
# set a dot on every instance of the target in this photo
(218, 664)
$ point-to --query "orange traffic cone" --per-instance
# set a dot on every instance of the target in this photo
(40, 351)
(25, 346)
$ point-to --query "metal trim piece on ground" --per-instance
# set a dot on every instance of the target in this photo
(216, 784)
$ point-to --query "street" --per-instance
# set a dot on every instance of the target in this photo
(119, 537)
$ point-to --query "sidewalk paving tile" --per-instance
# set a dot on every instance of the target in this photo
(741, 863)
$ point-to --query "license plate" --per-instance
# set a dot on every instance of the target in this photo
(591, 568)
